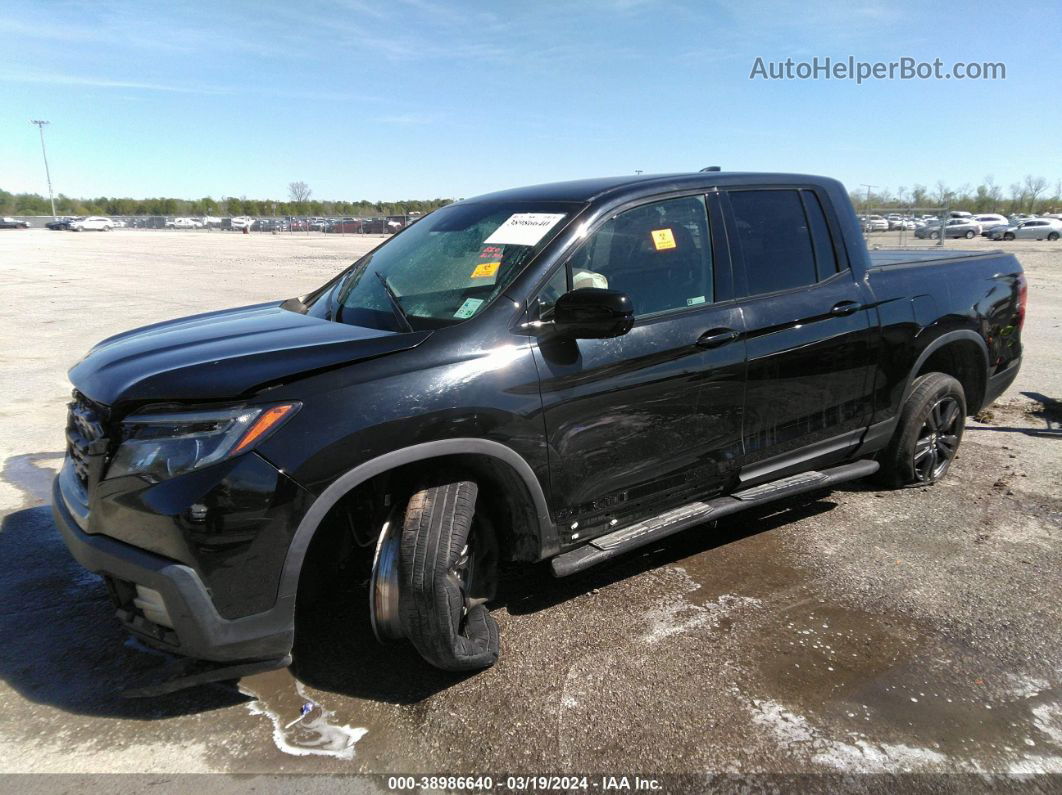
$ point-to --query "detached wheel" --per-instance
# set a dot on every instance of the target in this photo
(447, 572)
(928, 436)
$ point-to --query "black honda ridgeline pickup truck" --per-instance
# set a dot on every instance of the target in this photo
(563, 372)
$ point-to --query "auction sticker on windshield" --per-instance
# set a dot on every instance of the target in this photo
(468, 308)
(523, 229)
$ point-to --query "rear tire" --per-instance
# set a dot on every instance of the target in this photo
(934, 235)
(447, 573)
(969, 234)
(1008, 235)
(1053, 236)
(928, 435)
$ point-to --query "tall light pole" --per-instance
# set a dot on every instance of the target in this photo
(866, 207)
(48, 174)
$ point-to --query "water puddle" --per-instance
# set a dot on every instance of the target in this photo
(302, 726)
(862, 691)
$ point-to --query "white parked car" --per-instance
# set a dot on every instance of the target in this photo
(210, 220)
(184, 223)
(242, 222)
(95, 223)
(990, 219)
(875, 223)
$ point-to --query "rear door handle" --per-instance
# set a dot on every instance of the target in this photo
(715, 337)
(845, 308)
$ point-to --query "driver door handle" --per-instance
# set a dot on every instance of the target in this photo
(845, 308)
(715, 337)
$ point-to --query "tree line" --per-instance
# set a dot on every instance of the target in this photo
(35, 204)
(1030, 195)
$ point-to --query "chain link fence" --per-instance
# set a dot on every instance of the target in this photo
(376, 225)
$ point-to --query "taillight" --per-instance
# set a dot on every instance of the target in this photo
(1023, 298)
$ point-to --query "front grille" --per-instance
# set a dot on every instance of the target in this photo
(85, 435)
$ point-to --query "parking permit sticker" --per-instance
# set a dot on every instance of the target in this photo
(468, 308)
(692, 301)
(523, 229)
(485, 270)
(663, 239)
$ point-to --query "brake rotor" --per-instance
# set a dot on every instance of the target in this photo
(383, 585)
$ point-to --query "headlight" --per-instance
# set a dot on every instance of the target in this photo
(161, 446)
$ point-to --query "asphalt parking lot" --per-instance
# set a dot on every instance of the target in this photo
(865, 631)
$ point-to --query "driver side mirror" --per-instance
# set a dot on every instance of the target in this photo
(593, 313)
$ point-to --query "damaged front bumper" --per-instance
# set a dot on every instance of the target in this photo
(173, 592)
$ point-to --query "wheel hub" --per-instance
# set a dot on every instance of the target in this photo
(938, 440)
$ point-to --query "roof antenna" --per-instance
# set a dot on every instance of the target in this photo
(711, 168)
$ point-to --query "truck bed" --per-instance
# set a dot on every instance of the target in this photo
(907, 256)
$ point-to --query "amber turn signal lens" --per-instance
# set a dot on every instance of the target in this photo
(261, 426)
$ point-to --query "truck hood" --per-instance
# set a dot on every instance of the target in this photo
(226, 354)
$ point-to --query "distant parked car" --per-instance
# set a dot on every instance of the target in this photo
(990, 220)
(272, 225)
(953, 227)
(241, 222)
(119, 223)
(60, 223)
(210, 221)
(94, 223)
(347, 226)
(184, 223)
(875, 223)
(11, 223)
(1032, 229)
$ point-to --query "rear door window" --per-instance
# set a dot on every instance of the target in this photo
(775, 239)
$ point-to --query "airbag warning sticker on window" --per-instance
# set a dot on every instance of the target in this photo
(523, 229)
(485, 270)
(663, 239)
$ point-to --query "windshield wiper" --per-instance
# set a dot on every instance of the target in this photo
(400, 313)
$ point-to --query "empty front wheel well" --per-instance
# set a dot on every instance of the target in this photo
(964, 361)
(345, 538)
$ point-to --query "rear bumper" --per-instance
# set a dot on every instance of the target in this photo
(1000, 382)
(198, 630)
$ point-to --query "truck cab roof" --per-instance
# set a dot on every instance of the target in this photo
(587, 190)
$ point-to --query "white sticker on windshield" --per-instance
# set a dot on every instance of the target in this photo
(468, 308)
(523, 229)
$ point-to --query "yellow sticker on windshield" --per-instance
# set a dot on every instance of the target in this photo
(485, 270)
(663, 239)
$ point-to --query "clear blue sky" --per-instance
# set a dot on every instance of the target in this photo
(418, 98)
